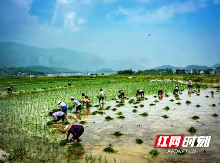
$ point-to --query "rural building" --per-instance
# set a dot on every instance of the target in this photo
(180, 71)
(188, 71)
(20, 74)
(218, 70)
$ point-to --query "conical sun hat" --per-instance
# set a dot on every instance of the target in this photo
(67, 127)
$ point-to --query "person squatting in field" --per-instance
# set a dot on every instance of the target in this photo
(140, 92)
(85, 100)
(57, 116)
(121, 94)
(176, 90)
(76, 103)
(63, 106)
(101, 96)
(76, 130)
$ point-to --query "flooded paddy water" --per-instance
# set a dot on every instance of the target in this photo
(98, 131)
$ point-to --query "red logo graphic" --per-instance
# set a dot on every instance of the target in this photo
(168, 141)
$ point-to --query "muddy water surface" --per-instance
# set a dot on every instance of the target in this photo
(97, 131)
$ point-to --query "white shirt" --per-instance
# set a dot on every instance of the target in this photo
(102, 94)
(77, 103)
(62, 104)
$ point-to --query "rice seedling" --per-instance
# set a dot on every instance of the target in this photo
(108, 107)
(83, 122)
(207, 96)
(108, 118)
(135, 110)
(153, 153)
(96, 106)
(94, 113)
(165, 116)
(145, 114)
(76, 144)
(167, 108)
(121, 117)
(192, 129)
(155, 96)
(131, 101)
(156, 101)
(166, 95)
(146, 98)
(181, 151)
(188, 102)
(213, 105)
(141, 105)
(114, 109)
(195, 117)
(137, 102)
(50, 122)
(178, 103)
(135, 106)
(119, 113)
(101, 112)
(152, 104)
(110, 150)
(120, 104)
(62, 143)
(197, 106)
(117, 133)
(171, 100)
(139, 141)
(117, 101)
(214, 115)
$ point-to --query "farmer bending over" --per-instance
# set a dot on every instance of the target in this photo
(101, 96)
(176, 90)
(121, 94)
(198, 87)
(160, 92)
(58, 116)
(63, 106)
(85, 99)
(75, 130)
(76, 103)
(140, 92)
(190, 85)
(10, 89)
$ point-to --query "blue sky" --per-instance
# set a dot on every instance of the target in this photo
(182, 32)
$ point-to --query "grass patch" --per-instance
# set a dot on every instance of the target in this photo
(139, 141)
(145, 114)
(135, 111)
(50, 123)
(167, 108)
(192, 129)
(117, 133)
(153, 153)
(110, 150)
(165, 116)
(214, 115)
(108, 118)
(82, 122)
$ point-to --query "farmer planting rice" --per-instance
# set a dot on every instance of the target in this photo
(85, 100)
(198, 87)
(75, 130)
(58, 116)
(176, 90)
(76, 103)
(121, 94)
(63, 106)
(140, 92)
(160, 92)
(101, 96)
(70, 83)
(190, 85)
(10, 89)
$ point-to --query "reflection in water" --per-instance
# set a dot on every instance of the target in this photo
(160, 97)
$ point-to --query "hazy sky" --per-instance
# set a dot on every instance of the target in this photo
(182, 32)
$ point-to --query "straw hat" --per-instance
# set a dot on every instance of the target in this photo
(67, 127)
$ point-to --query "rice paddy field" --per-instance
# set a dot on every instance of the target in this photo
(120, 130)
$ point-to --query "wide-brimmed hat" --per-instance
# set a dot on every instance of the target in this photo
(67, 127)
(58, 102)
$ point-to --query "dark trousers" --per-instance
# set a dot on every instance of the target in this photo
(121, 95)
(79, 134)
(78, 108)
(141, 94)
(60, 117)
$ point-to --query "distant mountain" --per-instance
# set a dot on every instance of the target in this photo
(50, 70)
(18, 55)
(168, 67)
(196, 67)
